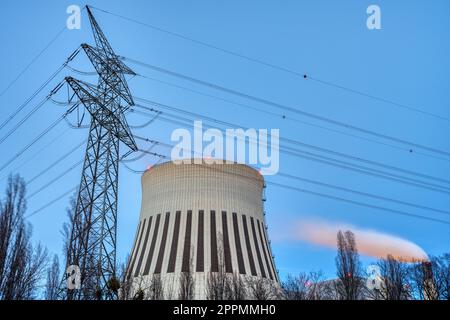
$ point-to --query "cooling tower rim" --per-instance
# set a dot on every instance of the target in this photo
(227, 163)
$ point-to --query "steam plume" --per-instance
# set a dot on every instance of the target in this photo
(368, 242)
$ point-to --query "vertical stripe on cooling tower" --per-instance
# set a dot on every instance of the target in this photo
(258, 254)
(263, 247)
(152, 247)
(141, 256)
(173, 249)
(137, 243)
(248, 246)
(200, 255)
(214, 257)
(264, 231)
(187, 243)
(162, 246)
(226, 244)
(237, 240)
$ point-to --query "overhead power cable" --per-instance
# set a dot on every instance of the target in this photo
(51, 202)
(358, 203)
(29, 114)
(365, 194)
(328, 196)
(145, 124)
(55, 163)
(331, 161)
(29, 99)
(33, 60)
(323, 184)
(83, 73)
(290, 118)
(277, 67)
(35, 154)
(346, 165)
(45, 186)
(296, 110)
(71, 190)
(287, 140)
(36, 139)
(139, 156)
(132, 170)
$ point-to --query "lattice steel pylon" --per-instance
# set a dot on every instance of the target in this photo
(92, 246)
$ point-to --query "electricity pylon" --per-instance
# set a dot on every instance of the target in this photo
(92, 246)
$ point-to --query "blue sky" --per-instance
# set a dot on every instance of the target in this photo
(406, 61)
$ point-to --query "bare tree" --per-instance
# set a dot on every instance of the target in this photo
(187, 281)
(67, 226)
(155, 289)
(262, 289)
(218, 283)
(394, 279)
(430, 280)
(441, 273)
(65, 234)
(138, 288)
(222, 285)
(12, 210)
(304, 286)
(349, 273)
(126, 281)
(22, 265)
(237, 289)
(53, 280)
(187, 285)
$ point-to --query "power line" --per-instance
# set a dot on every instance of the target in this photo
(287, 140)
(51, 202)
(42, 134)
(139, 156)
(55, 163)
(366, 194)
(286, 117)
(35, 154)
(348, 166)
(277, 67)
(363, 204)
(31, 62)
(145, 124)
(21, 122)
(48, 204)
(380, 99)
(323, 184)
(339, 163)
(46, 82)
(132, 170)
(291, 109)
(311, 181)
(45, 186)
(324, 195)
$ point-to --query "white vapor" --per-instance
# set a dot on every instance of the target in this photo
(369, 242)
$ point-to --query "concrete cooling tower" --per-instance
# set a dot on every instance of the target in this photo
(200, 218)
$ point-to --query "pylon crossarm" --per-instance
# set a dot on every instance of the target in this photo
(108, 119)
(108, 70)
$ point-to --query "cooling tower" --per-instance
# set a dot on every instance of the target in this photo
(200, 218)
